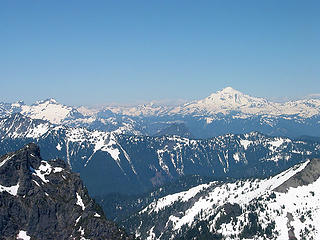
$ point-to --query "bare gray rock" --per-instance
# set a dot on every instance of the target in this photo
(307, 176)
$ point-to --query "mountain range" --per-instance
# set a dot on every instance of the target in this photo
(110, 162)
(222, 167)
(226, 111)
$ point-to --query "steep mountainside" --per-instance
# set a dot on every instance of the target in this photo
(286, 206)
(110, 162)
(226, 111)
(44, 200)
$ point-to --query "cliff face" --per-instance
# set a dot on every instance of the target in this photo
(45, 200)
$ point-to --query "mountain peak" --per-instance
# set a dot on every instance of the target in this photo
(229, 90)
(48, 100)
(226, 93)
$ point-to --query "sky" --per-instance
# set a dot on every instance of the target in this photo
(98, 52)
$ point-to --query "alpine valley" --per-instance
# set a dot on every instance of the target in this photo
(223, 167)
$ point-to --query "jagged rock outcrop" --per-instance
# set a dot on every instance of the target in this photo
(45, 200)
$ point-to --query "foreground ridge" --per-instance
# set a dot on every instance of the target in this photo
(286, 206)
(45, 200)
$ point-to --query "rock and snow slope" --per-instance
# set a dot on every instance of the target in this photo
(110, 162)
(44, 200)
(286, 206)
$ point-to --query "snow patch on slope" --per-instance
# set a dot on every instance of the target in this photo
(5, 160)
(22, 235)
(13, 190)
(80, 202)
(44, 170)
(38, 131)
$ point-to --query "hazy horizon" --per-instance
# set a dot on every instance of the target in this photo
(163, 102)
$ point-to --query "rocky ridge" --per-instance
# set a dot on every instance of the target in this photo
(285, 206)
(45, 200)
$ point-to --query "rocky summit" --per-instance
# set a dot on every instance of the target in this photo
(45, 200)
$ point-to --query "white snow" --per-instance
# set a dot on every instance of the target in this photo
(236, 157)
(57, 169)
(13, 190)
(152, 235)
(245, 143)
(43, 170)
(36, 183)
(47, 110)
(162, 164)
(77, 220)
(80, 202)
(168, 200)
(298, 201)
(23, 235)
(97, 215)
(229, 99)
(107, 142)
(37, 131)
(276, 143)
(81, 230)
(58, 147)
(240, 192)
(102, 141)
(46, 169)
(5, 160)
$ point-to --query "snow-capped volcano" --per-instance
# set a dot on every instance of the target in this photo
(224, 101)
(229, 100)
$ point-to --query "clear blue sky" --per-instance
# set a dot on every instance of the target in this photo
(91, 52)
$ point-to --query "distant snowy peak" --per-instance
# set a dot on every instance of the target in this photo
(49, 110)
(149, 109)
(224, 101)
(229, 100)
(232, 97)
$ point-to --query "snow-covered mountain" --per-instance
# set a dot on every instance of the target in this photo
(285, 206)
(226, 111)
(226, 101)
(111, 162)
(49, 110)
(230, 100)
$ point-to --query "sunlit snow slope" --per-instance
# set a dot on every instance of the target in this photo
(286, 206)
